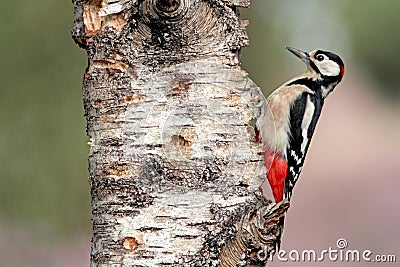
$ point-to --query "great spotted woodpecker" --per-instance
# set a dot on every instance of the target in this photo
(294, 108)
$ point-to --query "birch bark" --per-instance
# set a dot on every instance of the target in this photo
(175, 171)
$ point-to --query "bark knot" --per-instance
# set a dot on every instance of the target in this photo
(170, 10)
(168, 6)
(256, 237)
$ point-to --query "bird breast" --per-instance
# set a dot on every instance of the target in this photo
(275, 124)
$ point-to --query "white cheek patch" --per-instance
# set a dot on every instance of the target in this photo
(329, 68)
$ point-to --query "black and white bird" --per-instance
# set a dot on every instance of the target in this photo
(294, 109)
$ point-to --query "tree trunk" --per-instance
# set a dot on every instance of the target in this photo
(175, 171)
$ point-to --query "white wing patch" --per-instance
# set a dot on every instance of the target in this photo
(305, 124)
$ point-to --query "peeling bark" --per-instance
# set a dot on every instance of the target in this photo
(175, 171)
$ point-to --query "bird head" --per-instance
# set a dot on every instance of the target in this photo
(323, 63)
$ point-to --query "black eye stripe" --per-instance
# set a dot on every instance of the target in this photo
(314, 67)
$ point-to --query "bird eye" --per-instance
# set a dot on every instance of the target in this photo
(320, 57)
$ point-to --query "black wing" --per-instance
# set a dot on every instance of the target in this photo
(304, 112)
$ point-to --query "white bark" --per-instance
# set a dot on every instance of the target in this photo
(175, 170)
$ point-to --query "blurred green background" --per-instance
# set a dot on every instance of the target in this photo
(44, 193)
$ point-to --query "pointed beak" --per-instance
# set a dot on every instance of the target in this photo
(303, 55)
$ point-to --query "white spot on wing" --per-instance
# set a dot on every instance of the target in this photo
(295, 156)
